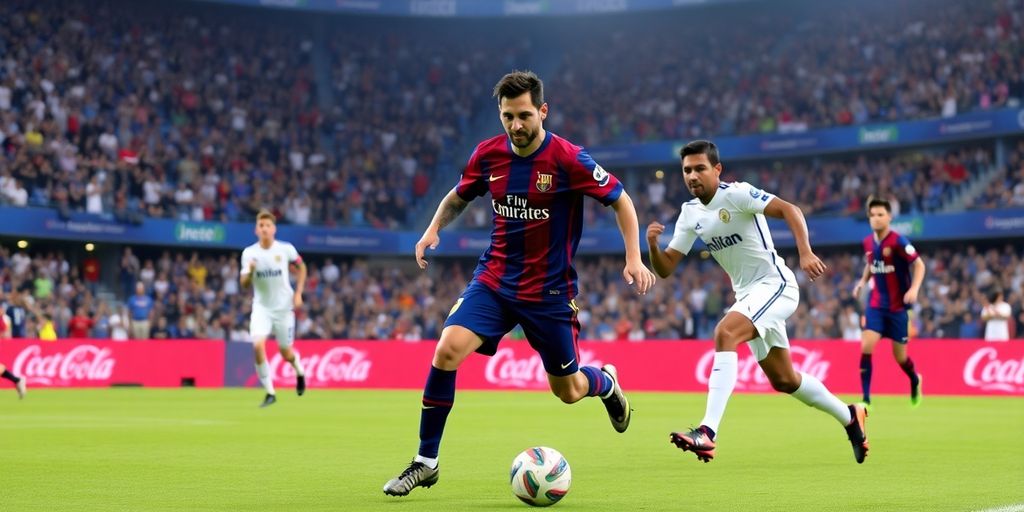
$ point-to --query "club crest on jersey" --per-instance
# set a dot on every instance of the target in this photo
(601, 176)
(277, 258)
(724, 215)
(886, 251)
(543, 182)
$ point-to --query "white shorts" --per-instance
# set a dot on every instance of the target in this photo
(281, 324)
(768, 305)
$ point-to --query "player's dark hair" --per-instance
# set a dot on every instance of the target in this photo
(994, 294)
(701, 147)
(875, 201)
(516, 83)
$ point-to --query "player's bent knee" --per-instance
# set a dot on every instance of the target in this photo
(454, 347)
(785, 384)
(727, 338)
(447, 360)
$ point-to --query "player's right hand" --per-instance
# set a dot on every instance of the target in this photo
(856, 290)
(639, 276)
(654, 231)
(252, 266)
(429, 239)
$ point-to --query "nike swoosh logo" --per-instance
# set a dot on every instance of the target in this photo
(566, 365)
(494, 178)
(425, 407)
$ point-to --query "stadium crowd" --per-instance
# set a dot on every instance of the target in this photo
(917, 182)
(831, 65)
(206, 115)
(198, 296)
(209, 114)
(1007, 189)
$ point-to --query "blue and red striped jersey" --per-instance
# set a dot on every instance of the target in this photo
(537, 207)
(889, 260)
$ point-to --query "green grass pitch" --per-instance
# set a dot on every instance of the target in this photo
(214, 450)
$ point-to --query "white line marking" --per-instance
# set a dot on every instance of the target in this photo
(1008, 508)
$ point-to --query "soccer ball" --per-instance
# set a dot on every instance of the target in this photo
(540, 476)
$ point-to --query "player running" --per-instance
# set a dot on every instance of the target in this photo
(730, 219)
(265, 265)
(898, 273)
(537, 181)
(19, 382)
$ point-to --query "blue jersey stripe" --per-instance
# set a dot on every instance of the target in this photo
(764, 242)
(520, 171)
(558, 260)
(771, 301)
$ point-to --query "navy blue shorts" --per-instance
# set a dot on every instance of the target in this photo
(551, 328)
(890, 324)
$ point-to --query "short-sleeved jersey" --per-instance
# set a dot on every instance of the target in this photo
(889, 261)
(537, 207)
(734, 229)
(272, 289)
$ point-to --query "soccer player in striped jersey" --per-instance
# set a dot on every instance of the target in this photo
(898, 273)
(537, 182)
(730, 219)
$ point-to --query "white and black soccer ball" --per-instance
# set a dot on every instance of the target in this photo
(540, 476)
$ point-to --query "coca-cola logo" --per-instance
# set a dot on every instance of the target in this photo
(505, 369)
(750, 376)
(81, 363)
(984, 370)
(339, 364)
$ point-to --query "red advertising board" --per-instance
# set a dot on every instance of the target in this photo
(949, 367)
(95, 363)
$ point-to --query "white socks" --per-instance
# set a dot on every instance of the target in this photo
(263, 372)
(431, 463)
(813, 393)
(720, 386)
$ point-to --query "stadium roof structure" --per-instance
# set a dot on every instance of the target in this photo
(475, 8)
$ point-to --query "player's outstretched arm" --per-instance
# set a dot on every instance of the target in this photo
(664, 262)
(809, 262)
(450, 208)
(635, 272)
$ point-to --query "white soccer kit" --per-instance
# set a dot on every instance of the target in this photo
(735, 231)
(272, 306)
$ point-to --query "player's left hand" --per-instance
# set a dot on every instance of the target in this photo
(910, 297)
(812, 265)
(297, 301)
(639, 276)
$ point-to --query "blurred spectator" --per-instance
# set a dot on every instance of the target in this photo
(996, 314)
(80, 325)
(140, 306)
